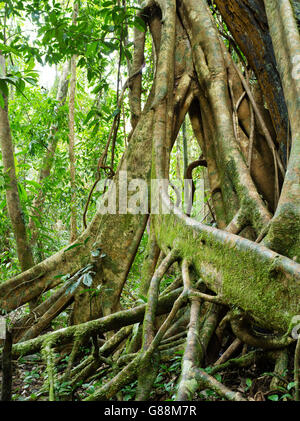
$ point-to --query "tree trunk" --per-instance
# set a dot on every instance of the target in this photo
(240, 276)
(12, 194)
(48, 159)
(73, 221)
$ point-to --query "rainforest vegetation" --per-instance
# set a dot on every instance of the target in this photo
(149, 200)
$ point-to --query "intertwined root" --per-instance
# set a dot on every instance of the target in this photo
(243, 283)
(191, 318)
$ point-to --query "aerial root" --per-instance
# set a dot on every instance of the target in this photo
(102, 325)
(297, 370)
(198, 338)
(110, 389)
(201, 377)
(192, 318)
(149, 355)
(48, 355)
(229, 351)
(75, 349)
(242, 329)
(281, 367)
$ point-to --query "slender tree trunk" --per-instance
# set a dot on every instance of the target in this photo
(73, 221)
(12, 195)
(48, 159)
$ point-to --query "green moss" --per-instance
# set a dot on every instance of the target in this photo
(248, 205)
(284, 233)
(244, 276)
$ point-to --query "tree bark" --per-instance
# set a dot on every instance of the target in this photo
(12, 194)
(73, 208)
(48, 158)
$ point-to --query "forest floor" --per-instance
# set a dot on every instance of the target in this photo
(252, 382)
(29, 375)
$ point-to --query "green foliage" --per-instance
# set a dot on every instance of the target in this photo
(39, 33)
(129, 391)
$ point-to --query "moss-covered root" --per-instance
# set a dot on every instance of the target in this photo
(297, 370)
(44, 320)
(75, 349)
(102, 325)
(191, 355)
(174, 285)
(110, 389)
(148, 369)
(48, 355)
(149, 263)
(87, 370)
(111, 344)
(152, 299)
(180, 324)
(197, 339)
(149, 360)
(151, 356)
(211, 383)
(171, 342)
(21, 326)
(243, 330)
(280, 370)
(240, 362)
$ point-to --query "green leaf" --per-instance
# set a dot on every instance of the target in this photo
(139, 24)
(142, 297)
(8, 49)
(31, 80)
(291, 385)
(92, 48)
(107, 4)
(73, 246)
(273, 398)
(95, 129)
(34, 184)
(128, 53)
(30, 64)
(116, 112)
(2, 204)
(89, 116)
(248, 382)
(286, 396)
(22, 192)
